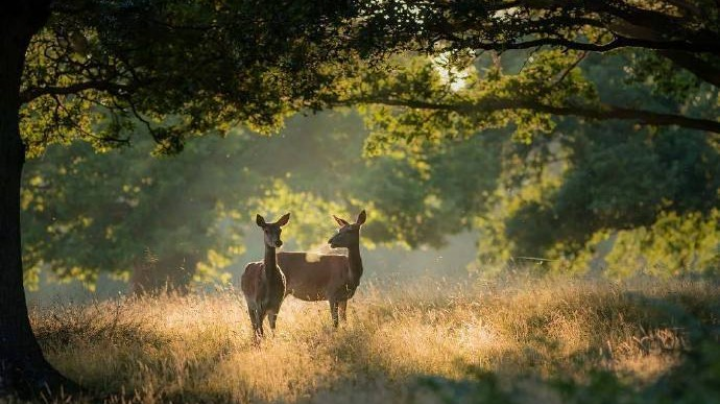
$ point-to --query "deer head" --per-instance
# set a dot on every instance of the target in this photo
(348, 234)
(272, 230)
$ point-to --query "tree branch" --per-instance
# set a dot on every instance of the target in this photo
(550, 18)
(650, 118)
(32, 93)
(599, 113)
(617, 43)
(686, 7)
(703, 70)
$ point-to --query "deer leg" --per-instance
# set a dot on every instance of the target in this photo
(272, 318)
(342, 310)
(261, 320)
(334, 312)
(253, 312)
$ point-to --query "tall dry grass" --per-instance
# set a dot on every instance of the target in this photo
(426, 342)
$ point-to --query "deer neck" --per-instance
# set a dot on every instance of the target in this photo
(270, 261)
(355, 263)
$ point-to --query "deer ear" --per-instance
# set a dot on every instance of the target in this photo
(361, 218)
(260, 221)
(283, 220)
(340, 222)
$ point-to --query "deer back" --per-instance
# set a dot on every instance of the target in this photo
(314, 277)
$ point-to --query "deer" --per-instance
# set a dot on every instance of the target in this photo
(334, 278)
(263, 283)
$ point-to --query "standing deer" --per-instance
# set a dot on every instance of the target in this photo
(327, 277)
(263, 283)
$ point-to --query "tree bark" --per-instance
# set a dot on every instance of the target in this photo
(23, 368)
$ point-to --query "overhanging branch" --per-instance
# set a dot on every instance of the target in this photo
(617, 43)
(650, 118)
(600, 113)
(703, 70)
(32, 93)
(556, 22)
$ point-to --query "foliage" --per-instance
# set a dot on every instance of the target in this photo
(673, 246)
(594, 190)
(416, 99)
(99, 70)
(661, 33)
(102, 71)
(82, 218)
(625, 183)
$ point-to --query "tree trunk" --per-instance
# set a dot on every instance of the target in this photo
(171, 273)
(23, 368)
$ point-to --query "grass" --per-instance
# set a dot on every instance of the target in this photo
(525, 342)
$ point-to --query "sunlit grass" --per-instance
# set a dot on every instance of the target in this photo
(199, 347)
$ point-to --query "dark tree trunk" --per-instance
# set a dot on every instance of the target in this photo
(172, 273)
(23, 368)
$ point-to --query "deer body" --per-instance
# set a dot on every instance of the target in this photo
(263, 283)
(334, 278)
(316, 278)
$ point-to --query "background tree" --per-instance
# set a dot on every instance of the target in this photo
(597, 181)
(126, 212)
(652, 63)
(183, 217)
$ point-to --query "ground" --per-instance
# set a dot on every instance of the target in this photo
(529, 341)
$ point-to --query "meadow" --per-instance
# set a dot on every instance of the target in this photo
(526, 340)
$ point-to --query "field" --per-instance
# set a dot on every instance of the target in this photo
(521, 341)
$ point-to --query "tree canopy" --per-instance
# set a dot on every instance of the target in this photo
(425, 73)
(673, 35)
(96, 69)
(99, 70)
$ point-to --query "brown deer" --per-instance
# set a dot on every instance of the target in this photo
(263, 283)
(327, 277)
